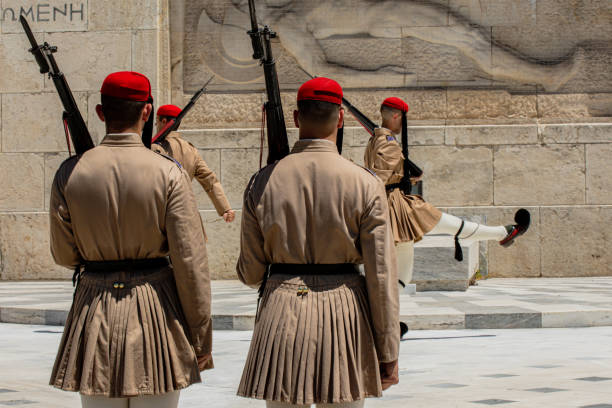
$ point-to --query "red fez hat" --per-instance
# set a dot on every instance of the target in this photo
(127, 85)
(396, 103)
(169, 110)
(321, 89)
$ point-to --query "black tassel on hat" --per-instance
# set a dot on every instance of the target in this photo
(147, 131)
(405, 146)
(339, 138)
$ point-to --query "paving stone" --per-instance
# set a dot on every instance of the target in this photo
(545, 390)
(493, 401)
(503, 321)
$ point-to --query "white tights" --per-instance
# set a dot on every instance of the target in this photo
(354, 404)
(449, 225)
(167, 400)
(405, 261)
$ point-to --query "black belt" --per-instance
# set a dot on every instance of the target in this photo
(313, 269)
(126, 265)
(303, 269)
(393, 186)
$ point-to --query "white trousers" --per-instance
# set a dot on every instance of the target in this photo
(449, 225)
(405, 261)
(167, 400)
(354, 404)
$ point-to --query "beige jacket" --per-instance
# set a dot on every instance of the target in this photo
(189, 157)
(316, 207)
(120, 201)
(383, 155)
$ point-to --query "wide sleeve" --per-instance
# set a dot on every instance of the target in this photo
(380, 264)
(251, 266)
(189, 259)
(208, 179)
(387, 159)
(63, 243)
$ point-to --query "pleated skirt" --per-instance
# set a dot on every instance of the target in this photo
(316, 347)
(125, 336)
(411, 217)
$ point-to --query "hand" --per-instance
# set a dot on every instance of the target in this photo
(205, 362)
(414, 180)
(229, 215)
(389, 374)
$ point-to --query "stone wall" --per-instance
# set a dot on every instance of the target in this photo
(518, 114)
(93, 38)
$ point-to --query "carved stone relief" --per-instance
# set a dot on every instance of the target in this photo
(546, 46)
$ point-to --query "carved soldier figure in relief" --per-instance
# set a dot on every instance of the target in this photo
(191, 160)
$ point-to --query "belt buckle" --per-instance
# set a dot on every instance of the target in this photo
(302, 291)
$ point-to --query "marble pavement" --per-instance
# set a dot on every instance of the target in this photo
(493, 304)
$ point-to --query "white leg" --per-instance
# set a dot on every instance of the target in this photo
(89, 401)
(167, 400)
(449, 225)
(405, 261)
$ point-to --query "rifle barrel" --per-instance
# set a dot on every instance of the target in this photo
(253, 15)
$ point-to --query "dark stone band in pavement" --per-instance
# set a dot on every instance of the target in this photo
(492, 304)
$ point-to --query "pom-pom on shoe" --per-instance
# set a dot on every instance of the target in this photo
(522, 219)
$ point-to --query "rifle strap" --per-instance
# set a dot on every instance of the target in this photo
(67, 133)
(262, 136)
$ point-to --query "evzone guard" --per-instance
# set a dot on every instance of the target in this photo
(324, 333)
(191, 160)
(412, 217)
(139, 329)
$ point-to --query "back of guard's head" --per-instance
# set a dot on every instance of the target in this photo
(124, 95)
(319, 102)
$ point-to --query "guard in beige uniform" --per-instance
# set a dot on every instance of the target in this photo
(139, 329)
(324, 334)
(189, 157)
(412, 217)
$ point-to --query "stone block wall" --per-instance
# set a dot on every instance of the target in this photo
(482, 172)
(93, 38)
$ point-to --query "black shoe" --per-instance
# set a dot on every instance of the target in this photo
(403, 329)
(522, 219)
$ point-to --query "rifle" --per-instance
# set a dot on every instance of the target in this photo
(74, 125)
(278, 143)
(173, 124)
(410, 168)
